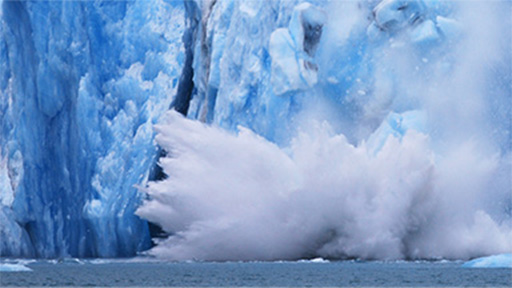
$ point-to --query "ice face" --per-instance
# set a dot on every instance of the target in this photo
(81, 85)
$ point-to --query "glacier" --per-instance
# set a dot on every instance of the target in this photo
(333, 129)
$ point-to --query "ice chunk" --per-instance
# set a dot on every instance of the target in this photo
(424, 32)
(306, 27)
(285, 65)
(494, 261)
(449, 27)
(319, 260)
(292, 50)
(394, 14)
(14, 268)
(397, 125)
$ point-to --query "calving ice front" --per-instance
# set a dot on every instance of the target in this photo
(334, 129)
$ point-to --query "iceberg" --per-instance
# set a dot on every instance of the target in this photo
(494, 261)
(14, 268)
(319, 129)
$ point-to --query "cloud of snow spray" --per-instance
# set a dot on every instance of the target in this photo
(439, 192)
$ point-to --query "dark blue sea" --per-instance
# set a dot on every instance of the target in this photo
(124, 273)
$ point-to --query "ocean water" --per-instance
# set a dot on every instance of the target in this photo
(125, 273)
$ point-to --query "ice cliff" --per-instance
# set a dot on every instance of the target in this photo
(81, 85)
(368, 126)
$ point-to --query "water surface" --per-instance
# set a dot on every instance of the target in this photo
(284, 274)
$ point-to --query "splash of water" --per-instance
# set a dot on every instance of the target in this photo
(240, 197)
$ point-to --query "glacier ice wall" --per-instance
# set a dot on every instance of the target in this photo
(376, 130)
(82, 83)
(370, 125)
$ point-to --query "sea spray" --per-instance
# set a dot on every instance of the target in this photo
(240, 197)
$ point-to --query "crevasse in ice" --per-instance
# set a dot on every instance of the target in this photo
(83, 83)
